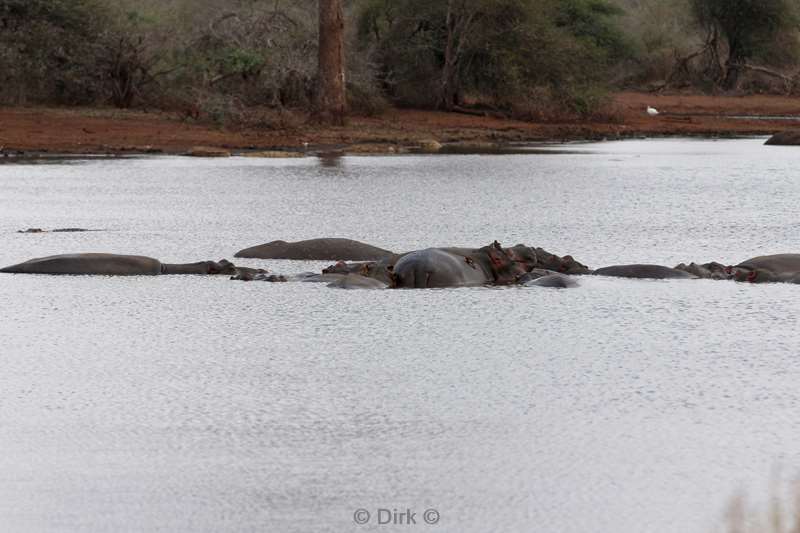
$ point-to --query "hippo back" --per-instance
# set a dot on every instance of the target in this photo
(325, 249)
(643, 272)
(435, 267)
(97, 264)
(778, 263)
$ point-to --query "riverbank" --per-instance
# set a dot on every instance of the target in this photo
(111, 131)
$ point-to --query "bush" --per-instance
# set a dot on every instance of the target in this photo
(46, 50)
(498, 50)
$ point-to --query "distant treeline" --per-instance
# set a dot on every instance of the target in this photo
(534, 59)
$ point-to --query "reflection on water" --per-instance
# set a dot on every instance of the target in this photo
(199, 404)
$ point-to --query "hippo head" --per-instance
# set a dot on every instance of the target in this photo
(756, 275)
(223, 266)
(380, 270)
(340, 267)
(570, 266)
(565, 265)
(272, 278)
(505, 268)
(712, 270)
(524, 255)
(717, 270)
(244, 276)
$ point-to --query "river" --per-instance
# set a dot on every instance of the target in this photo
(181, 403)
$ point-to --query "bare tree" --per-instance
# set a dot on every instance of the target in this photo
(459, 23)
(331, 97)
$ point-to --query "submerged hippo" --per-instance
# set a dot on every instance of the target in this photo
(712, 270)
(643, 272)
(554, 281)
(115, 265)
(436, 268)
(57, 230)
(564, 265)
(783, 268)
(540, 277)
(325, 249)
(354, 281)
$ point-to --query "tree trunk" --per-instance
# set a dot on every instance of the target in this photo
(331, 96)
(448, 87)
(733, 66)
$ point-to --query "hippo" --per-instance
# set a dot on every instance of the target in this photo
(355, 281)
(436, 268)
(325, 249)
(460, 267)
(262, 276)
(250, 274)
(784, 268)
(785, 138)
(115, 265)
(555, 281)
(643, 272)
(535, 274)
(564, 265)
(57, 230)
(712, 270)
(379, 270)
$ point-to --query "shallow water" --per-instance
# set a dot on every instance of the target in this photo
(184, 403)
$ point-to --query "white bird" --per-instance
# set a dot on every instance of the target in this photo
(652, 111)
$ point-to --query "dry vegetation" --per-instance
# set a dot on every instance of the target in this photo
(544, 60)
(244, 72)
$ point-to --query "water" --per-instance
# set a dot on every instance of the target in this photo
(184, 403)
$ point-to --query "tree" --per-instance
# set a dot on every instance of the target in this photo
(749, 28)
(331, 95)
(492, 52)
(459, 20)
(46, 49)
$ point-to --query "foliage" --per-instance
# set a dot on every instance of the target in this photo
(536, 59)
(46, 49)
(750, 29)
(495, 51)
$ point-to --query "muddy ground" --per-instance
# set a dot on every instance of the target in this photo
(77, 131)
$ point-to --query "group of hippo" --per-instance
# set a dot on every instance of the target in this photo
(375, 268)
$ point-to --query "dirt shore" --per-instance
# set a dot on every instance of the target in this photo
(80, 131)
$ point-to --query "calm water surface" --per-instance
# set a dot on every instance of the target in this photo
(200, 404)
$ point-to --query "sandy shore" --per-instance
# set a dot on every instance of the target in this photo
(108, 131)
